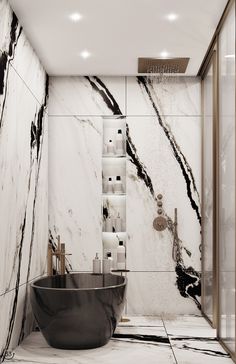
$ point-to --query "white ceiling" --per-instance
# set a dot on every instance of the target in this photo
(116, 32)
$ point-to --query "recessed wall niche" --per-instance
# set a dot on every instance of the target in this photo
(114, 184)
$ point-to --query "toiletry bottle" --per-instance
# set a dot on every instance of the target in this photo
(106, 266)
(109, 256)
(109, 224)
(110, 148)
(121, 256)
(118, 223)
(97, 268)
(118, 185)
(119, 143)
(109, 185)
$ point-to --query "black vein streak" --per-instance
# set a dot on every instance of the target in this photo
(139, 337)
(111, 103)
(142, 82)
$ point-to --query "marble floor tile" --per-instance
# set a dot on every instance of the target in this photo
(143, 321)
(35, 350)
(195, 350)
(182, 340)
(195, 326)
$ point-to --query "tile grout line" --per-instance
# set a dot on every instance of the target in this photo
(21, 285)
(169, 340)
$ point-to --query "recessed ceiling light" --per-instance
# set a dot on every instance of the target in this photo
(85, 54)
(75, 17)
(172, 16)
(230, 56)
(164, 54)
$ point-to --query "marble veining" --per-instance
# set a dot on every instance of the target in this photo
(147, 340)
(161, 158)
(23, 193)
(75, 188)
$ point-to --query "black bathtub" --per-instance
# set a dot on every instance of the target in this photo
(78, 311)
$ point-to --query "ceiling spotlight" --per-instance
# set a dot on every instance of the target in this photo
(164, 54)
(75, 17)
(85, 54)
(172, 17)
(230, 56)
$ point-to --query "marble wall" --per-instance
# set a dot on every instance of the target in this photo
(163, 156)
(23, 177)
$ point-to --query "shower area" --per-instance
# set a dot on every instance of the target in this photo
(218, 182)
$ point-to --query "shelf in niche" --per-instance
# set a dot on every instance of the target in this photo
(114, 156)
(113, 194)
(109, 233)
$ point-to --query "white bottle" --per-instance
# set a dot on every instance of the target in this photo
(110, 185)
(109, 224)
(118, 223)
(119, 143)
(97, 266)
(109, 256)
(121, 256)
(118, 185)
(106, 266)
(110, 148)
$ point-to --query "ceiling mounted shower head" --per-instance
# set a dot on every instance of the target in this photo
(162, 65)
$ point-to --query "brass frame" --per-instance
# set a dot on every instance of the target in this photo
(211, 62)
(209, 57)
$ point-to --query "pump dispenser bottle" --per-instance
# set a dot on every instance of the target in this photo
(121, 256)
(106, 265)
(118, 186)
(97, 268)
(119, 143)
(109, 256)
(110, 148)
(118, 223)
(109, 185)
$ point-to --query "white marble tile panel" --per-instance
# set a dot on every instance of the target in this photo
(23, 164)
(87, 96)
(16, 318)
(175, 96)
(169, 174)
(156, 293)
(75, 187)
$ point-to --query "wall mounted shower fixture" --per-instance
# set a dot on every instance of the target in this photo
(160, 222)
(162, 65)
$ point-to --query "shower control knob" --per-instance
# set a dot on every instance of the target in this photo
(159, 203)
(160, 223)
(159, 211)
(159, 196)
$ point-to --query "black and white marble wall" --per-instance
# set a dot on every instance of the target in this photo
(164, 156)
(23, 177)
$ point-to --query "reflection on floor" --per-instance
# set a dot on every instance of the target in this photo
(183, 340)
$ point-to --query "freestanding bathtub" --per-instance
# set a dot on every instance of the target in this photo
(78, 311)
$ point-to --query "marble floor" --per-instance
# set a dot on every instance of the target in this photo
(144, 340)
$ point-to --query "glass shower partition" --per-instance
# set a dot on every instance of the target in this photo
(226, 258)
(208, 193)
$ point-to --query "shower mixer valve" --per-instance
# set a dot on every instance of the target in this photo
(160, 222)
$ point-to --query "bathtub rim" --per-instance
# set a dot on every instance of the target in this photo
(34, 285)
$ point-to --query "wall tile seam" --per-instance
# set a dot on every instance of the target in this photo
(125, 115)
(133, 271)
(22, 284)
(27, 86)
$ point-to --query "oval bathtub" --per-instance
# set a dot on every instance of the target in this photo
(78, 311)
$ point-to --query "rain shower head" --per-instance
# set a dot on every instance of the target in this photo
(162, 65)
